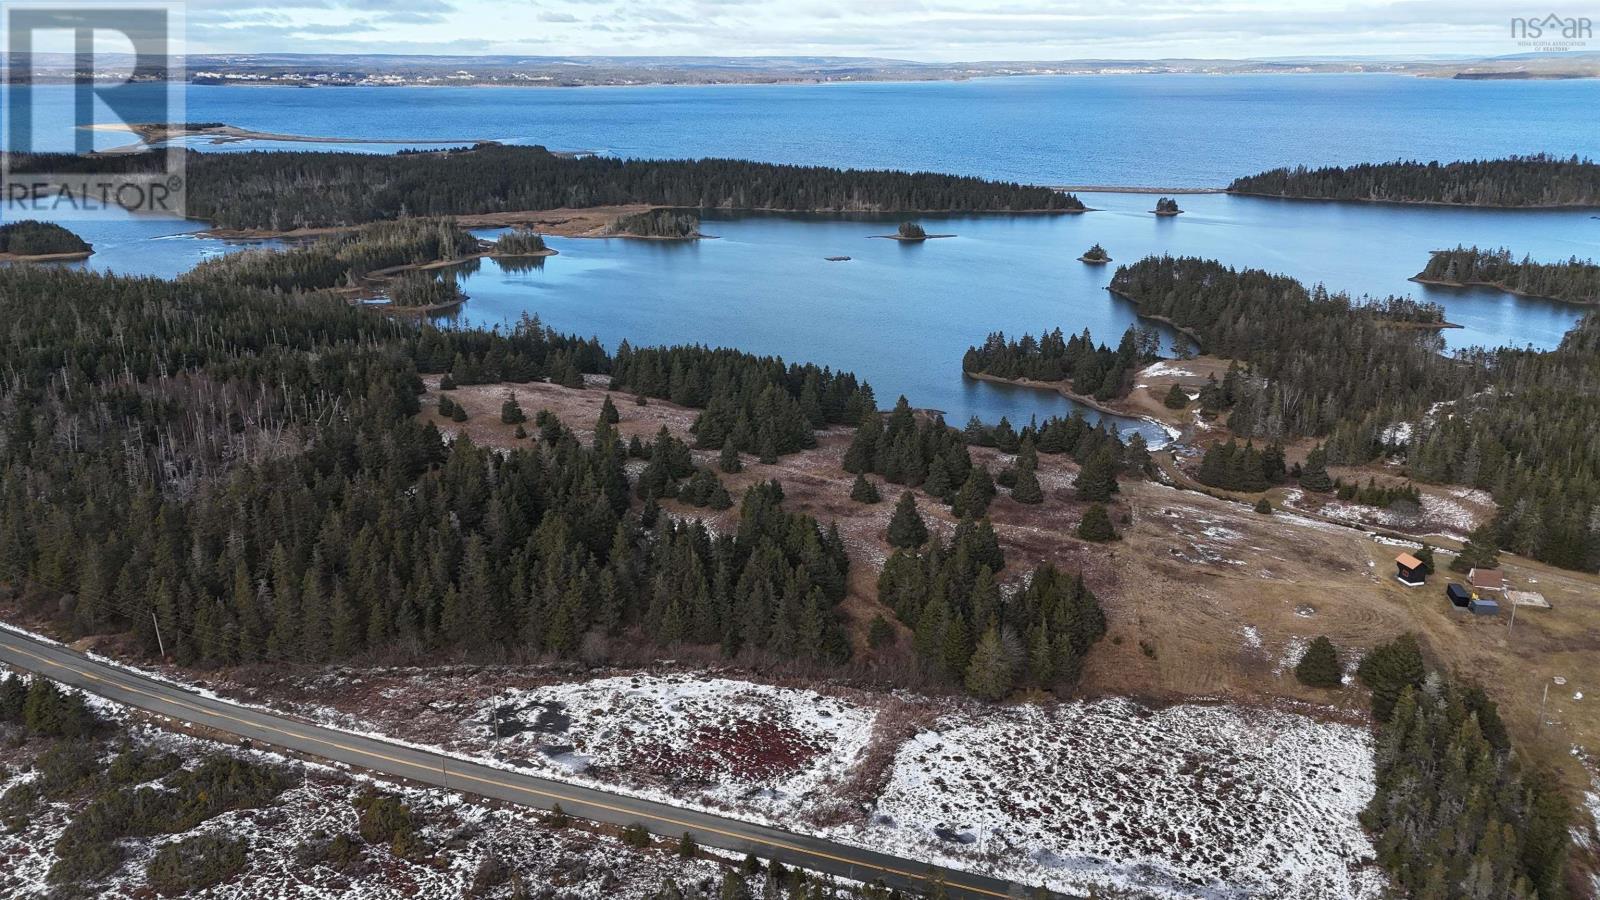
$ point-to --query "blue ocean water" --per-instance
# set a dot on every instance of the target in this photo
(901, 315)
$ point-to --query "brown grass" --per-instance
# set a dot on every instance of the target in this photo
(1191, 574)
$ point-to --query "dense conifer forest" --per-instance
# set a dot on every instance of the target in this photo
(235, 475)
(281, 190)
(341, 260)
(1514, 422)
(1572, 281)
(1457, 813)
(1098, 372)
(659, 223)
(1538, 180)
(34, 238)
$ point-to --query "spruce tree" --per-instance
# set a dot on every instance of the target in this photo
(1096, 525)
(906, 528)
(511, 412)
(863, 491)
(1314, 474)
(1097, 480)
(990, 671)
(1319, 666)
(1177, 398)
(728, 461)
(972, 501)
(1264, 506)
(1481, 551)
(1027, 489)
(608, 412)
(880, 633)
(1389, 669)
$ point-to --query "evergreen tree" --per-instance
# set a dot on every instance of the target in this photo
(1027, 489)
(1314, 474)
(990, 671)
(729, 461)
(1319, 666)
(1481, 551)
(880, 633)
(906, 528)
(608, 412)
(511, 412)
(1177, 397)
(1097, 480)
(1096, 525)
(1264, 506)
(863, 491)
(1388, 670)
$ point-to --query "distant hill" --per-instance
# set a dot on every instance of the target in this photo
(561, 71)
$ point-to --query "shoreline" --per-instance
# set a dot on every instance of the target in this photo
(1183, 330)
(1437, 203)
(72, 256)
(592, 221)
(1060, 387)
(910, 240)
(1133, 189)
(1439, 282)
(153, 134)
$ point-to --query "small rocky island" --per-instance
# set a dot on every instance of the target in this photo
(1095, 255)
(520, 242)
(34, 241)
(1166, 206)
(913, 233)
(658, 224)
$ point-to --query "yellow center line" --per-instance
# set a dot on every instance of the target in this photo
(621, 810)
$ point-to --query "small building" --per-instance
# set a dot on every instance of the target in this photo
(1412, 571)
(1483, 606)
(1459, 596)
(1487, 580)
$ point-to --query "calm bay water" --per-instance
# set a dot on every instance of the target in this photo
(1168, 130)
(901, 315)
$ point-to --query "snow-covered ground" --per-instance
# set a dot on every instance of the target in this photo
(1164, 367)
(1204, 800)
(1450, 516)
(459, 835)
(1189, 801)
(735, 744)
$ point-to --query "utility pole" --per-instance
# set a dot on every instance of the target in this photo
(1514, 605)
(444, 774)
(160, 644)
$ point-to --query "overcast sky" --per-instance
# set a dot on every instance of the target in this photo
(933, 30)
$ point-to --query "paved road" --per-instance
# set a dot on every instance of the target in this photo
(123, 686)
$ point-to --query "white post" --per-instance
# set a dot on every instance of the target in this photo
(160, 644)
(1514, 605)
(1541, 704)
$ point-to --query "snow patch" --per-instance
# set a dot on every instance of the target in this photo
(1193, 800)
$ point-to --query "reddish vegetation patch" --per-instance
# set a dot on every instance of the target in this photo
(745, 749)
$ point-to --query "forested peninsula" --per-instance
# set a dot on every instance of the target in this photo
(1572, 281)
(32, 239)
(1321, 366)
(1533, 181)
(245, 467)
(283, 190)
